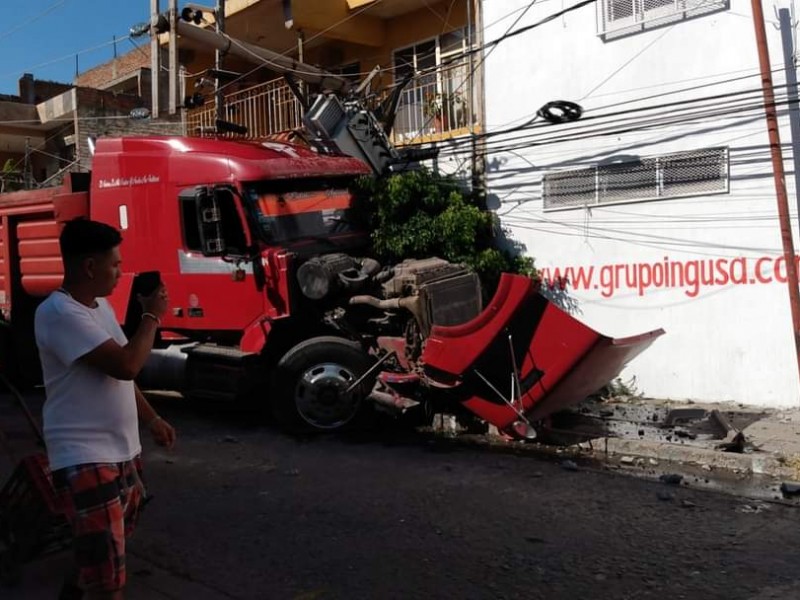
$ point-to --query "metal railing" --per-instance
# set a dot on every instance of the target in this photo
(435, 104)
(622, 17)
(265, 109)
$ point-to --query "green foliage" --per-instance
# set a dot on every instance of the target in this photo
(10, 177)
(420, 214)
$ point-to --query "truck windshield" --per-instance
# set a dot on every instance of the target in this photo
(302, 210)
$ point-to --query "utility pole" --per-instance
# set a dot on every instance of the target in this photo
(155, 59)
(219, 55)
(787, 33)
(26, 169)
(777, 168)
(173, 57)
(476, 101)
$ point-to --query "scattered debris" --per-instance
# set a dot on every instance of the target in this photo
(735, 440)
(790, 489)
(671, 478)
(653, 462)
(683, 415)
(752, 508)
(535, 540)
(688, 504)
(627, 460)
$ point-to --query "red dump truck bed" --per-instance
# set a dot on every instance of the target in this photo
(29, 237)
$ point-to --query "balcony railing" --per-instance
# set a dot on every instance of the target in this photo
(434, 106)
(437, 104)
(265, 109)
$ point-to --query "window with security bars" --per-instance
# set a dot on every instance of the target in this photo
(691, 173)
(616, 18)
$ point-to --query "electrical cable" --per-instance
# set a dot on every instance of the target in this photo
(44, 13)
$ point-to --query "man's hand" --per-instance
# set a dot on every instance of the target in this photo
(163, 433)
(156, 303)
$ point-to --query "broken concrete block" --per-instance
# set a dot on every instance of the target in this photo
(790, 489)
(671, 478)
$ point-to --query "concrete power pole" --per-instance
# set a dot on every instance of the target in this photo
(777, 169)
(173, 57)
(219, 55)
(155, 60)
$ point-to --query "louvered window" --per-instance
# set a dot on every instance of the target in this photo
(616, 18)
(693, 173)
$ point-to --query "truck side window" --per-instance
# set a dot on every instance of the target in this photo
(189, 222)
(235, 240)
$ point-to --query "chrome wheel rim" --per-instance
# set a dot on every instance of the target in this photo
(321, 396)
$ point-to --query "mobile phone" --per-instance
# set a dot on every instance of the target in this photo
(147, 282)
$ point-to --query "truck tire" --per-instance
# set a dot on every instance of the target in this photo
(311, 382)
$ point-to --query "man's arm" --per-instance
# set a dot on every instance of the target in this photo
(163, 433)
(125, 362)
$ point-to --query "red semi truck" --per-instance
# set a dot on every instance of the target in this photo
(273, 296)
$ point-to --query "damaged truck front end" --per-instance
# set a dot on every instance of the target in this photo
(434, 347)
(523, 358)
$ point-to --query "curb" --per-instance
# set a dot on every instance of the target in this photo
(756, 475)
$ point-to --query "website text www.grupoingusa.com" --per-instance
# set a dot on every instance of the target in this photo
(692, 276)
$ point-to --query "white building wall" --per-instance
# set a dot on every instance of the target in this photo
(643, 96)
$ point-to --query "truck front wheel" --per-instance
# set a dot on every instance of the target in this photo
(312, 383)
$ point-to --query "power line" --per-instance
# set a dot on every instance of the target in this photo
(67, 56)
(44, 13)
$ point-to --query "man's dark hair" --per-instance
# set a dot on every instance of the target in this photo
(82, 237)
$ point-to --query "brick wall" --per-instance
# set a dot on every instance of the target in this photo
(34, 91)
(104, 74)
(104, 114)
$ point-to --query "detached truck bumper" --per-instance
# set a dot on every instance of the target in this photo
(524, 356)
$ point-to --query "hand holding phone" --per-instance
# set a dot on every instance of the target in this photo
(151, 293)
(147, 282)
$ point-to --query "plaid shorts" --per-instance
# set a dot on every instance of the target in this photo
(101, 501)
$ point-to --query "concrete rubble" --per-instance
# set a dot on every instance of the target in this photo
(749, 451)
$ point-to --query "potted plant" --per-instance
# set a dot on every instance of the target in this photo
(432, 111)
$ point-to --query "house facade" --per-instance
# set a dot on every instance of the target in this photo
(423, 43)
(657, 208)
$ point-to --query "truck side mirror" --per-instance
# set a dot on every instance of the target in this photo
(209, 217)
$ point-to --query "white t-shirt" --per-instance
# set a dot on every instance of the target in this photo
(89, 417)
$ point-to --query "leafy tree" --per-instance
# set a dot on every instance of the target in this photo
(10, 177)
(418, 214)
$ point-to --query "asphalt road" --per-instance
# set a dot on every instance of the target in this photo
(251, 513)
(241, 511)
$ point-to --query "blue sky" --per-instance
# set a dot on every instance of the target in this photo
(43, 36)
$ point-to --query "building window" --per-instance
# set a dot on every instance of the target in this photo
(616, 18)
(437, 99)
(693, 173)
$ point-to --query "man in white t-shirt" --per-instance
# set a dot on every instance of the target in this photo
(93, 407)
